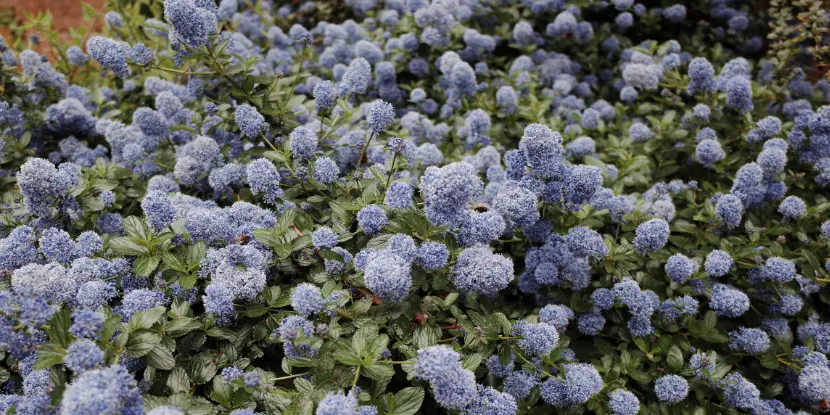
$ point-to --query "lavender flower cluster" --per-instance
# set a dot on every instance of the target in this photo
(417, 206)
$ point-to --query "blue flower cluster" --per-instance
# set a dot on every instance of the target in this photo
(254, 207)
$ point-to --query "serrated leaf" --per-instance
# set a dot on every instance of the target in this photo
(58, 330)
(48, 355)
(408, 401)
(141, 342)
(675, 358)
(178, 381)
(181, 326)
(125, 246)
(160, 358)
(378, 371)
(144, 266)
(145, 319)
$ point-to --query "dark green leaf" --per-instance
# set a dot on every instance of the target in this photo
(160, 358)
(408, 401)
(141, 342)
(146, 318)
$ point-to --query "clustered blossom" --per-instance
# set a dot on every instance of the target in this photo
(416, 206)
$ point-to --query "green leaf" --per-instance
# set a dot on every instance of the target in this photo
(770, 361)
(136, 227)
(222, 333)
(194, 254)
(221, 392)
(59, 329)
(347, 355)
(146, 318)
(123, 245)
(178, 381)
(144, 266)
(471, 362)
(187, 281)
(160, 358)
(181, 326)
(48, 355)
(202, 368)
(379, 371)
(675, 358)
(408, 401)
(141, 342)
(173, 261)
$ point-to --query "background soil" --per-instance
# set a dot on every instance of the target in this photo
(66, 13)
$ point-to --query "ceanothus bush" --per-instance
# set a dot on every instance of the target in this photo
(423, 206)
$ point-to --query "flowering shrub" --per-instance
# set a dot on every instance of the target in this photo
(401, 207)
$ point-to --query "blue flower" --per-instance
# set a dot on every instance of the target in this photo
(516, 204)
(218, 300)
(739, 392)
(264, 179)
(324, 96)
(56, 245)
(454, 387)
(191, 24)
(709, 151)
(491, 402)
(701, 73)
(432, 255)
(812, 383)
(110, 53)
(372, 219)
(779, 269)
(739, 94)
(729, 209)
(380, 115)
(582, 381)
(83, 355)
(86, 324)
(749, 340)
(792, 207)
(703, 364)
(651, 236)
(507, 99)
(536, 339)
(556, 315)
(108, 390)
(357, 78)
(159, 209)
(325, 170)
(479, 270)
(306, 299)
(541, 148)
(140, 300)
(639, 132)
(250, 121)
(399, 195)
(671, 388)
(388, 276)
(718, 263)
(675, 13)
(623, 402)
(496, 368)
(583, 241)
(519, 384)
(582, 184)
(75, 56)
(446, 191)
(303, 142)
(337, 403)
(728, 301)
(141, 54)
(680, 268)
